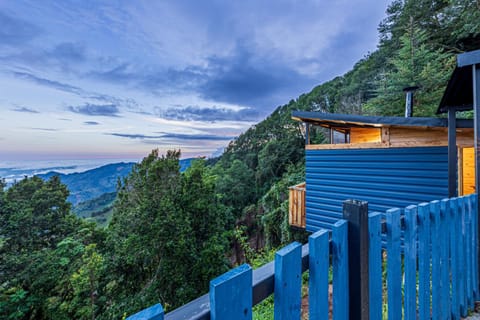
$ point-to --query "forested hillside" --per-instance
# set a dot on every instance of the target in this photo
(172, 232)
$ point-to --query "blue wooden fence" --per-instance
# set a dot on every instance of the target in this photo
(436, 243)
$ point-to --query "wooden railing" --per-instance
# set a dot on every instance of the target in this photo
(296, 206)
(430, 269)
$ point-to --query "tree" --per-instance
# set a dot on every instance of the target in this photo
(167, 236)
(40, 245)
(415, 64)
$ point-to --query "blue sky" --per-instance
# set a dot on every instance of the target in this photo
(115, 79)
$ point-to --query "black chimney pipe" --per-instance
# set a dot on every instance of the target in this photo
(409, 100)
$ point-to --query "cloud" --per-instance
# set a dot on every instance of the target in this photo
(181, 136)
(16, 31)
(129, 103)
(105, 110)
(49, 83)
(45, 129)
(176, 136)
(134, 136)
(24, 109)
(244, 78)
(91, 123)
(195, 113)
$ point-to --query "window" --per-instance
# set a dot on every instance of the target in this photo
(339, 135)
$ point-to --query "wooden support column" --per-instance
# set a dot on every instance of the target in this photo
(307, 133)
(452, 153)
(476, 106)
(356, 213)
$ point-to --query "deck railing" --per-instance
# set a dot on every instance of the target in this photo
(296, 206)
(435, 243)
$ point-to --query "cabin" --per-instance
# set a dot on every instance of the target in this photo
(388, 161)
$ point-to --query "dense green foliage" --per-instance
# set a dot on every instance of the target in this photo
(42, 246)
(167, 236)
(171, 232)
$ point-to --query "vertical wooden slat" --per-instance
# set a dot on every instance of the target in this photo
(394, 262)
(461, 256)
(476, 252)
(319, 254)
(154, 312)
(454, 265)
(469, 251)
(231, 294)
(375, 267)
(435, 239)
(303, 206)
(445, 264)
(424, 261)
(410, 262)
(291, 206)
(288, 282)
(340, 270)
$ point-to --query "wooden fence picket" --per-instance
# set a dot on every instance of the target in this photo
(454, 247)
(319, 261)
(231, 295)
(461, 256)
(340, 270)
(410, 261)
(394, 263)
(375, 265)
(435, 245)
(288, 282)
(444, 258)
(469, 249)
(154, 312)
(424, 261)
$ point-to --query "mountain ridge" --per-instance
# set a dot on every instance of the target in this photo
(92, 184)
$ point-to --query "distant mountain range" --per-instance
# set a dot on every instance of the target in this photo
(91, 184)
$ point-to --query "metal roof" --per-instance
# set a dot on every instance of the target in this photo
(349, 120)
(459, 91)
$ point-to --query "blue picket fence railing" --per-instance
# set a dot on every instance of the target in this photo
(440, 238)
(435, 242)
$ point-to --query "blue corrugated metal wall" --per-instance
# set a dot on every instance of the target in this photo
(386, 178)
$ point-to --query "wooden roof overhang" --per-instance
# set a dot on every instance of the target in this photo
(335, 120)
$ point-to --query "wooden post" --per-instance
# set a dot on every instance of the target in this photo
(452, 153)
(307, 133)
(476, 106)
(356, 213)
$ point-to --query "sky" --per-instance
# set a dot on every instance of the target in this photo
(116, 79)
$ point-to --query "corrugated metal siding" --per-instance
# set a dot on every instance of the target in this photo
(386, 178)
